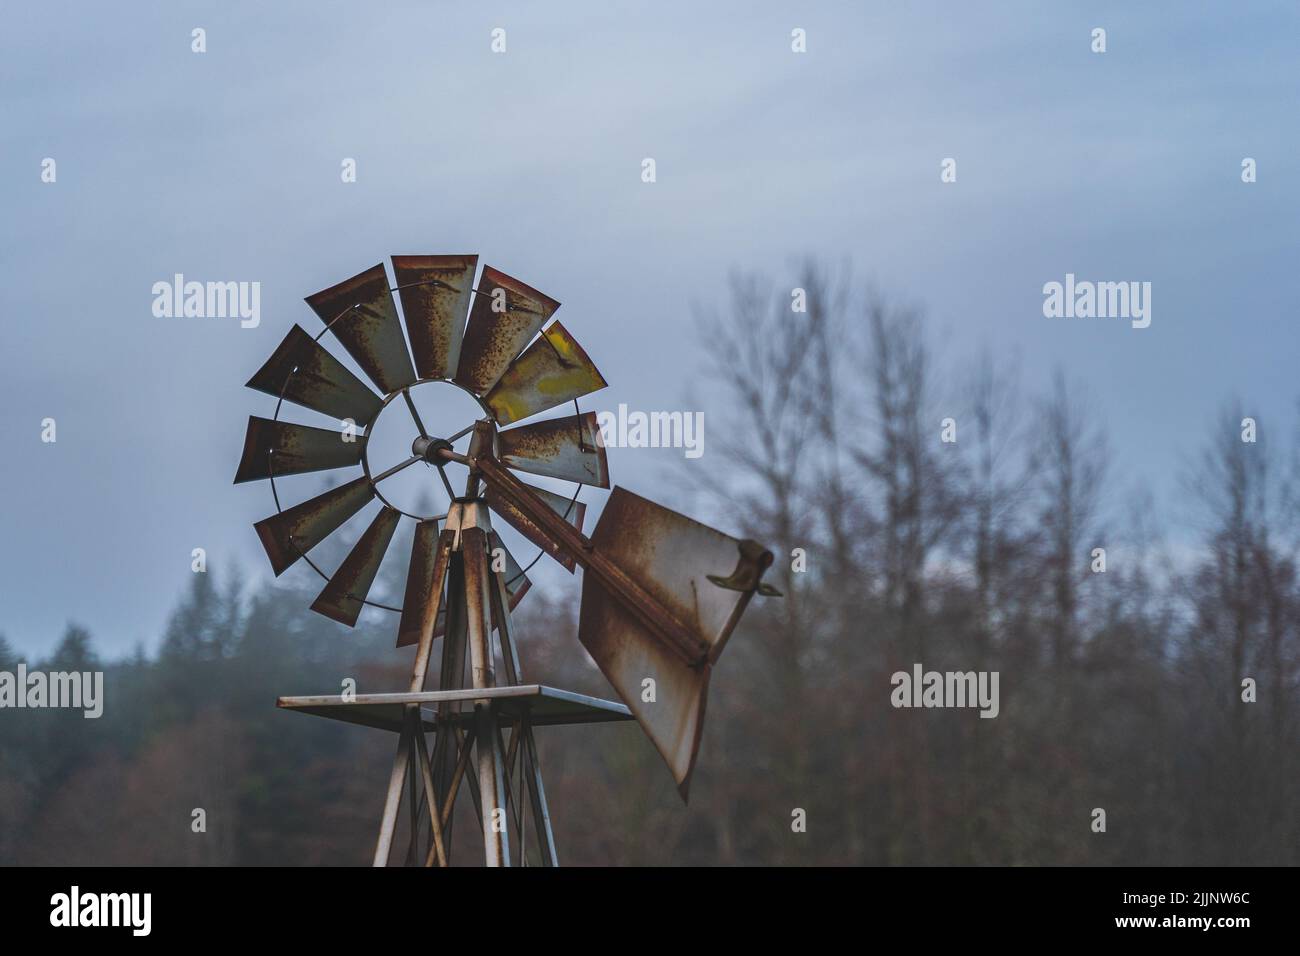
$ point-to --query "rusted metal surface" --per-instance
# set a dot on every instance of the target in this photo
(527, 525)
(568, 448)
(752, 562)
(517, 586)
(493, 339)
(672, 557)
(649, 608)
(553, 370)
(435, 293)
(283, 448)
(422, 600)
(289, 535)
(474, 548)
(370, 330)
(562, 541)
(344, 593)
(491, 773)
(321, 382)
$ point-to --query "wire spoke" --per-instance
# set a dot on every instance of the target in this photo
(443, 475)
(415, 414)
(463, 432)
(395, 469)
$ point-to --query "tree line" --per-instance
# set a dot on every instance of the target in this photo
(1161, 689)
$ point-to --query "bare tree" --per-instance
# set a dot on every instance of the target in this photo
(1070, 459)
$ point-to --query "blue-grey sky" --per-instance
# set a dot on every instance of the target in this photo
(226, 166)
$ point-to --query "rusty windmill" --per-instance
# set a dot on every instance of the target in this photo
(661, 593)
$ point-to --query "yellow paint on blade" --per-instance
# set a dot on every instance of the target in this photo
(547, 374)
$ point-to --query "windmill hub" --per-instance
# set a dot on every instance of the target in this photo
(428, 448)
(443, 415)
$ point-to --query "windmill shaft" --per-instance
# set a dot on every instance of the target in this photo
(661, 622)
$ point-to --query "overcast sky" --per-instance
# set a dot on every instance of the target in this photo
(226, 166)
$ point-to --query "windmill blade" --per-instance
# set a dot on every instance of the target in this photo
(283, 448)
(568, 448)
(289, 535)
(306, 374)
(517, 583)
(435, 293)
(673, 558)
(567, 508)
(555, 369)
(345, 593)
(370, 330)
(493, 338)
(415, 605)
(419, 597)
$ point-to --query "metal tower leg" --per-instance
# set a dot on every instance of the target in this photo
(491, 770)
(476, 598)
(531, 769)
(393, 801)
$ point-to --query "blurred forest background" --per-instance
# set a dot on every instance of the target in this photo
(1120, 690)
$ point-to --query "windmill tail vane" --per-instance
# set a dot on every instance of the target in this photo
(661, 593)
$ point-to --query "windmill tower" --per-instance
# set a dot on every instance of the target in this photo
(661, 593)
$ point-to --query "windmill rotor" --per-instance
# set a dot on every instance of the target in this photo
(661, 593)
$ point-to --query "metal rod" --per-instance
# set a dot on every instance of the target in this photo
(431, 799)
(450, 677)
(395, 469)
(393, 801)
(500, 598)
(415, 413)
(462, 764)
(471, 779)
(528, 764)
(491, 782)
(424, 649)
(523, 814)
(491, 785)
(462, 433)
(537, 795)
(457, 457)
(661, 622)
(446, 483)
(473, 543)
(413, 803)
(448, 804)
(513, 810)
